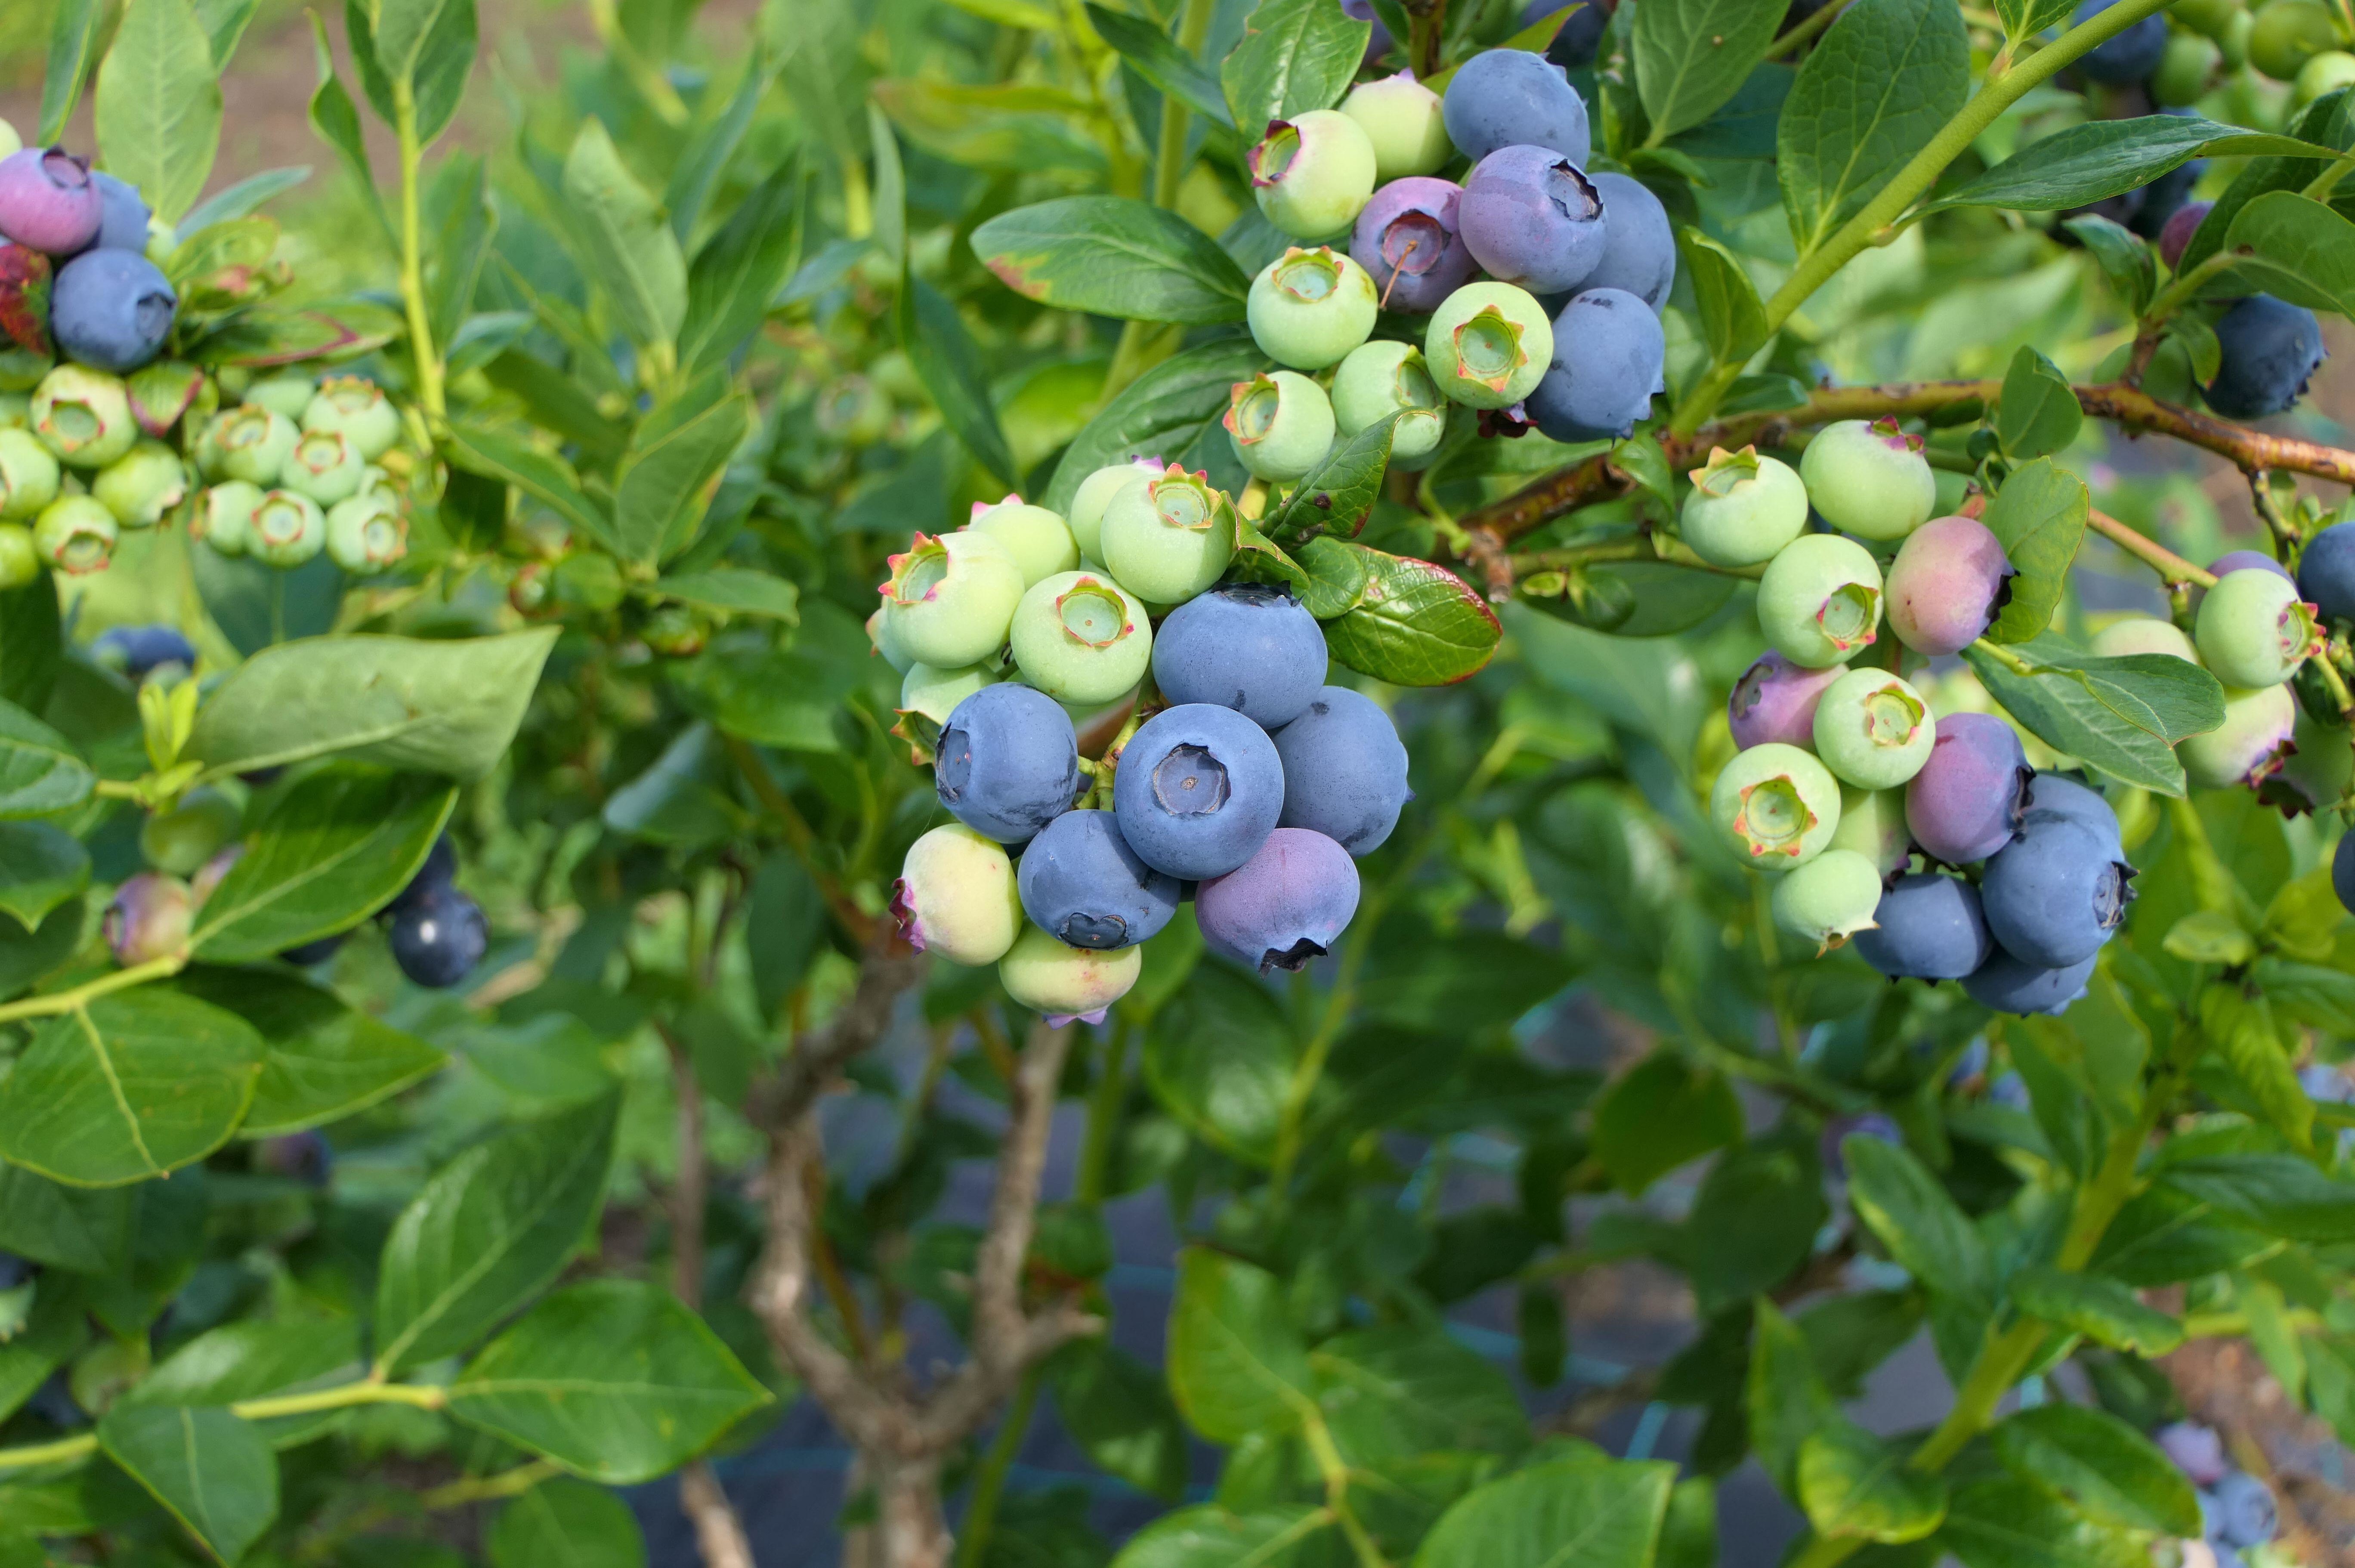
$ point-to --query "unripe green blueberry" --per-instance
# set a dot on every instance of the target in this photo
(251, 443)
(142, 484)
(1095, 493)
(285, 394)
(932, 694)
(1744, 508)
(325, 466)
(1402, 120)
(20, 558)
(1168, 538)
(2185, 70)
(2212, 18)
(1312, 173)
(2247, 747)
(1829, 900)
(1082, 638)
(21, 369)
(957, 896)
(1064, 982)
(28, 476)
(16, 412)
(9, 141)
(1872, 729)
(1039, 540)
(2132, 634)
(1308, 308)
(1819, 600)
(1384, 377)
(1489, 345)
(75, 534)
(1280, 424)
(225, 517)
(2254, 630)
(359, 408)
(1870, 479)
(853, 412)
(2288, 33)
(1777, 805)
(83, 416)
(367, 533)
(183, 838)
(949, 599)
(2326, 72)
(286, 529)
(149, 918)
(885, 642)
(1873, 823)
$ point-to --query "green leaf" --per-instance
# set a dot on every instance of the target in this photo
(1732, 320)
(1388, 1395)
(1870, 94)
(2036, 415)
(2122, 715)
(1337, 495)
(136, 1083)
(225, 22)
(2101, 1309)
(77, 1228)
(1259, 559)
(674, 462)
(30, 643)
(544, 477)
(2084, 164)
(73, 39)
(1337, 572)
(1159, 59)
(628, 248)
(328, 1059)
(1119, 1412)
(258, 1359)
(1922, 1226)
(40, 773)
(716, 139)
(1237, 1362)
(1294, 56)
(2299, 249)
(1853, 1483)
(2165, 1234)
(2002, 1522)
(488, 1232)
(402, 30)
(212, 1472)
(40, 868)
(1210, 1536)
(335, 849)
(613, 1379)
(1758, 1211)
(1691, 56)
(436, 706)
(2320, 123)
(570, 1522)
(739, 270)
(736, 593)
(54, 1335)
(1660, 1115)
(949, 363)
(2111, 1472)
(1112, 255)
(243, 199)
(461, 244)
(1220, 1060)
(1786, 1399)
(1171, 412)
(2243, 1031)
(2038, 516)
(159, 107)
(1416, 624)
(2277, 1193)
(1595, 1513)
(2124, 258)
(890, 190)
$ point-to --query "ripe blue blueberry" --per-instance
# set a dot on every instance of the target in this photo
(1639, 247)
(1928, 927)
(956, 896)
(2007, 985)
(1344, 769)
(2195, 1449)
(111, 310)
(1285, 905)
(1408, 241)
(1581, 31)
(1246, 646)
(2239, 1512)
(1312, 173)
(1084, 886)
(2056, 795)
(1532, 219)
(1199, 790)
(1402, 120)
(1501, 98)
(2054, 893)
(438, 940)
(304, 954)
(2128, 57)
(137, 650)
(1965, 803)
(1608, 352)
(438, 872)
(2271, 349)
(1489, 345)
(1007, 763)
(1949, 583)
(2248, 747)
(48, 201)
(122, 221)
(2325, 573)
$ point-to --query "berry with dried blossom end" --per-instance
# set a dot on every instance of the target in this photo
(112, 309)
(2254, 630)
(2053, 895)
(1063, 982)
(949, 600)
(359, 408)
(1082, 638)
(1489, 345)
(1171, 537)
(249, 443)
(225, 517)
(29, 476)
(1039, 540)
(1403, 123)
(1386, 379)
(1530, 217)
(1280, 423)
(1829, 900)
(286, 529)
(2260, 724)
(83, 416)
(143, 485)
(1084, 886)
(1744, 508)
(1407, 240)
(1308, 308)
(148, 918)
(1008, 761)
(1095, 493)
(1949, 583)
(1872, 729)
(76, 534)
(20, 558)
(1775, 700)
(1870, 479)
(1776, 805)
(367, 533)
(956, 897)
(1312, 173)
(1819, 600)
(1199, 790)
(1285, 906)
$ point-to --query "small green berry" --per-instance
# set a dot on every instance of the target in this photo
(949, 599)
(1064, 982)
(2248, 748)
(184, 838)
(1776, 805)
(20, 558)
(225, 517)
(1082, 638)
(1829, 900)
(1744, 508)
(83, 416)
(366, 533)
(359, 408)
(884, 641)
(1872, 729)
(16, 412)
(143, 485)
(1819, 600)
(1873, 823)
(1385, 377)
(2254, 630)
(1489, 345)
(1038, 539)
(285, 394)
(957, 896)
(1402, 120)
(1308, 308)
(2134, 634)
(75, 534)
(2326, 72)
(325, 465)
(1280, 424)
(1095, 493)
(21, 369)
(1171, 537)
(1870, 479)
(1312, 173)
(28, 476)
(932, 694)
(251, 443)
(286, 529)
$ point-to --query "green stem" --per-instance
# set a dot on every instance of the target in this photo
(989, 1480)
(73, 998)
(2185, 289)
(1824, 16)
(509, 1483)
(2323, 184)
(412, 254)
(1104, 1102)
(64, 1451)
(1169, 159)
(366, 1392)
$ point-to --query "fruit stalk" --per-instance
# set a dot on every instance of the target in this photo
(2172, 568)
(1806, 31)
(422, 353)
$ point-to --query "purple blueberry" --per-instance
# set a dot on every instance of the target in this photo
(1775, 700)
(47, 200)
(1008, 761)
(2175, 234)
(2053, 895)
(1503, 98)
(1199, 790)
(439, 939)
(1407, 241)
(1344, 769)
(440, 870)
(1948, 583)
(1965, 804)
(1928, 926)
(2053, 795)
(302, 1157)
(2325, 573)
(2240, 1512)
(1533, 220)
(1608, 352)
(2195, 1449)
(1285, 905)
(1083, 884)
(122, 221)
(1247, 647)
(2127, 59)
(2342, 873)
(2006, 984)
(111, 310)
(1639, 244)
(2271, 349)
(1378, 43)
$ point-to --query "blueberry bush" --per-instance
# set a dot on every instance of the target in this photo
(1240, 569)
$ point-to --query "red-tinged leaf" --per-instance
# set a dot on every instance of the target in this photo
(1415, 624)
(25, 298)
(162, 392)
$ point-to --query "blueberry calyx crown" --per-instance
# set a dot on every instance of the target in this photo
(1278, 145)
(1775, 819)
(1725, 471)
(1309, 274)
(1189, 501)
(1489, 348)
(1849, 616)
(1092, 614)
(917, 571)
(1253, 407)
(1896, 435)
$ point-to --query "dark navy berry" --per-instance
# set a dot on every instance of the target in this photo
(2054, 894)
(123, 221)
(1247, 647)
(2007, 985)
(1532, 219)
(317, 952)
(1503, 98)
(1008, 761)
(1344, 769)
(1928, 927)
(138, 650)
(1083, 885)
(15, 1271)
(2128, 57)
(2342, 873)
(302, 1157)
(1283, 906)
(439, 869)
(111, 310)
(2270, 350)
(1580, 36)
(439, 939)
(1608, 351)
(2325, 573)
(1199, 790)
(1640, 246)
(2052, 795)
(1406, 239)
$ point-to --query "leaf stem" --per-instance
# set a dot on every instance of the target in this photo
(64, 1451)
(412, 254)
(74, 998)
(2172, 568)
(508, 1482)
(1802, 32)
(989, 1479)
(367, 1391)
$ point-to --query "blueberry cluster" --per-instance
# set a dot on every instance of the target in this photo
(294, 470)
(2237, 1513)
(1563, 332)
(1249, 792)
